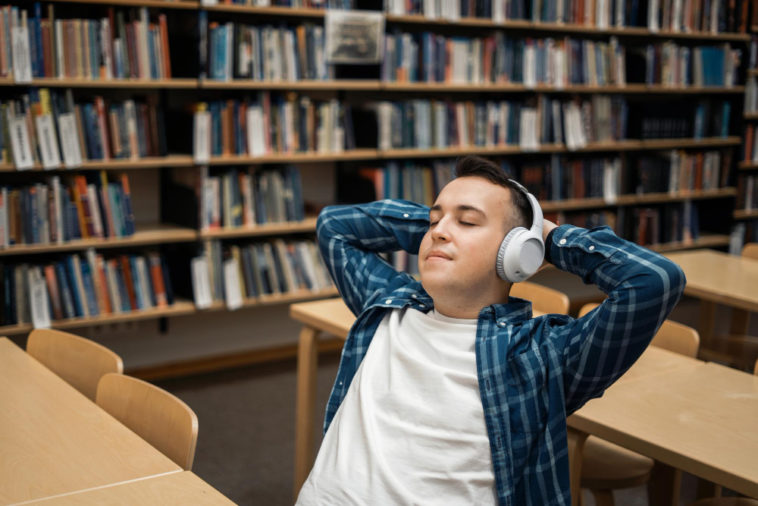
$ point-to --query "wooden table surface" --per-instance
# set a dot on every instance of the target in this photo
(719, 277)
(54, 440)
(700, 418)
(177, 489)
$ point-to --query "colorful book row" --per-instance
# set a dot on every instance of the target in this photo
(83, 286)
(48, 128)
(54, 212)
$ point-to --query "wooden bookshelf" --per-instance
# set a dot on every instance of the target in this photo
(305, 226)
(745, 214)
(704, 241)
(162, 4)
(748, 165)
(117, 164)
(178, 308)
(278, 298)
(627, 145)
(304, 157)
(287, 12)
(460, 87)
(565, 28)
(53, 82)
(146, 235)
(633, 200)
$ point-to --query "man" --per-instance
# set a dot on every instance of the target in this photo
(448, 391)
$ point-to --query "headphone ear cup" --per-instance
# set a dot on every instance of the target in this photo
(506, 251)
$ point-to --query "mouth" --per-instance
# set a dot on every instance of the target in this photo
(437, 255)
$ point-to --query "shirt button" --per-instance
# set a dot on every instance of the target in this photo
(501, 324)
(388, 301)
(562, 241)
(414, 296)
(591, 248)
(421, 305)
(406, 215)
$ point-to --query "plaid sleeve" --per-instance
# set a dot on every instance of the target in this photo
(642, 288)
(351, 238)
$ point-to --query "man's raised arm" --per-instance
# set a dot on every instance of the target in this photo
(351, 237)
(642, 288)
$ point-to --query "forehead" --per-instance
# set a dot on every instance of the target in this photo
(474, 191)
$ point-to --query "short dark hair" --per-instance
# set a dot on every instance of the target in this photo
(476, 166)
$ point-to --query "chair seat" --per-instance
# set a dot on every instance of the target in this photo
(726, 501)
(609, 466)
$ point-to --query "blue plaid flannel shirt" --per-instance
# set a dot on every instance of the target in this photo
(533, 372)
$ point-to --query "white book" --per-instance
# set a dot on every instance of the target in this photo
(97, 221)
(256, 143)
(201, 283)
(38, 298)
(59, 49)
(503, 123)
(611, 169)
(384, 116)
(143, 55)
(653, 8)
(528, 138)
(4, 230)
(145, 284)
(674, 163)
(105, 47)
(113, 291)
(79, 284)
(228, 51)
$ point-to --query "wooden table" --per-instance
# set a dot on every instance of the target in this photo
(720, 278)
(168, 489)
(54, 440)
(699, 418)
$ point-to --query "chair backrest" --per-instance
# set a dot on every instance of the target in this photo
(755, 369)
(79, 361)
(672, 336)
(543, 298)
(750, 250)
(157, 416)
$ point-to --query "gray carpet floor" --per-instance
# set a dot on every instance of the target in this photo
(246, 417)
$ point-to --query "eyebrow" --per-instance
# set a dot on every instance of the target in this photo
(460, 208)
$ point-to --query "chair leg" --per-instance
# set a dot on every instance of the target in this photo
(603, 497)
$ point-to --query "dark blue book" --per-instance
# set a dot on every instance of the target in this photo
(76, 297)
(9, 295)
(247, 272)
(89, 289)
(137, 282)
(167, 282)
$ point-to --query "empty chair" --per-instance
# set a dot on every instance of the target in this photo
(606, 466)
(157, 416)
(544, 299)
(79, 361)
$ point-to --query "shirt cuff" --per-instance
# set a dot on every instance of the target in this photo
(548, 242)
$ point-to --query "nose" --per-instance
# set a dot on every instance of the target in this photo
(440, 231)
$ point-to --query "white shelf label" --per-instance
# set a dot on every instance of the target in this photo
(38, 300)
(22, 148)
(202, 137)
(48, 142)
(232, 285)
(72, 155)
(201, 283)
(22, 68)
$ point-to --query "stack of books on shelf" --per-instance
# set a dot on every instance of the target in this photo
(559, 62)
(48, 128)
(415, 181)
(308, 4)
(266, 52)
(245, 198)
(271, 123)
(677, 120)
(673, 64)
(747, 193)
(427, 124)
(84, 286)
(122, 44)
(58, 211)
(233, 273)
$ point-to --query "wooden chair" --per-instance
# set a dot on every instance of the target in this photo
(544, 299)
(79, 361)
(157, 416)
(605, 466)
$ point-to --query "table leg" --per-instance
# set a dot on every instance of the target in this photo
(307, 363)
(576, 440)
(706, 322)
(665, 484)
(740, 320)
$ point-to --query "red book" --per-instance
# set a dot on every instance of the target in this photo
(128, 280)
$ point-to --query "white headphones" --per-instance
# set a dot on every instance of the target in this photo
(522, 250)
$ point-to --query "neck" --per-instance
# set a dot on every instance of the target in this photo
(468, 306)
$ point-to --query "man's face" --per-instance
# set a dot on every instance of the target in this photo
(466, 226)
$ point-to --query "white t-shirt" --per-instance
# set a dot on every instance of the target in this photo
(411, 428)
